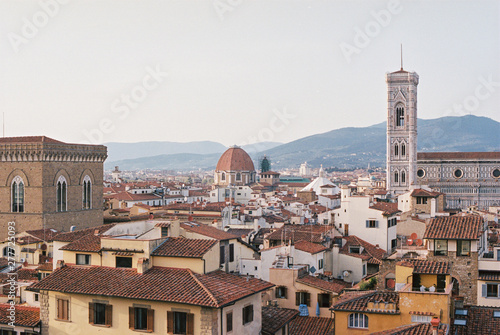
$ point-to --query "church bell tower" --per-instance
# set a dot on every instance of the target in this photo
(401, 130)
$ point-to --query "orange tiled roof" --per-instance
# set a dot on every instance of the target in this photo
(312, 233)
(88, 243)
(359, 303)
(312, 248)
(489, 275)
(184, 247)
(479, 321)
(302, 325)
(371, 253)
(335, 285)
(468, 227)
(235, 159)
(424, 266)
(48, 266)
(77, 234)
(209, 231)
(411, 329)
(214, 289)
(274, 318)
(25, 316)
(388, 208)
(420, 192)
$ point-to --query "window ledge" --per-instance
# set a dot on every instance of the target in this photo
(99, 325)
(62, 320)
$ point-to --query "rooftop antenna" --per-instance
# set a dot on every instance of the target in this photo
(401, 56)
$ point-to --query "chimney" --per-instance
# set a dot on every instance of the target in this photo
(435, 325)
(60, 264)
(143, 265)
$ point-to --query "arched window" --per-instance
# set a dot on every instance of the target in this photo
(62, 194)
(223, 177)
(396, 177)
(400, 116)
(17, 190)
(396, 149)
(403, 150)
(87, 193)
(238, 176)
(403, 177)
(358, 320)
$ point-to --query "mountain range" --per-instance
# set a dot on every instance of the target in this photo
(345, 147)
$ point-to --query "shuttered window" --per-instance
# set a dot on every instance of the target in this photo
(247, 314)
(302, 298)
(100, 314)
(140, 318)
(180, 323)
(62, 309)
(231, 252)
(490, 290)
(371, 224)
(229, 322)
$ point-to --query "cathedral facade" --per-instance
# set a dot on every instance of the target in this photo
(466, 178)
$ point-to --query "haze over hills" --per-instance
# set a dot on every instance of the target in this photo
(345, 147)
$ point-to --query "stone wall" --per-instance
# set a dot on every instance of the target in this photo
(388, 266)
(44, 311)
(209, 321)
(464, 270)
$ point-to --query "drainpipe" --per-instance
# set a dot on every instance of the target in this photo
(221, 321)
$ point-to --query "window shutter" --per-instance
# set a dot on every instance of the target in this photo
(190, 324)
(367, 223)
(276, 293)
(66, 309)
(151, 320)
(131, 318)
(308, 299)
(251, 313)
(285, 291)
(231, 252)
(376, 224)
(91, 312)
(498, 291)
(297, 298)
(170, 322)
(484, 288)
(109, 315)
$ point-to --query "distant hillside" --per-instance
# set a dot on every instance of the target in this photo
(120, 151)
(351, 147)
(345, 147)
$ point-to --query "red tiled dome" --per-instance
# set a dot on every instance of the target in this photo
(235, 159)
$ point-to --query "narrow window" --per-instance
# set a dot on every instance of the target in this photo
(281, 292)
(403, 150)
(403, 177)
(223, 176)
(62, 309)
(87, 193)
(400, 116)
(17, 190)
(61, 194)
(238, 176)
(231, 252)
(396, 177)
(247, 314)
(222, 255)
(229, 322)
(396, 149)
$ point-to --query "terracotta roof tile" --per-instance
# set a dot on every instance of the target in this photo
(209, 231)
(77, 234)
(370, 252)
(214, 289)
(184, 247)
(424, 266)
(479, 321)
(334, 285)
(411, 329)
(302, 325)
(311, 233)
(312, 248)
(455, 228)
(235, 159)
(29, 139)
(274, 318)
(45, 267)
(420, 192)
(388, 208)
(88, 243)
(489, 275)
(25, 316)
(360, 303)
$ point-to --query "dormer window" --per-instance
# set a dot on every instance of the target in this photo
(354, 249)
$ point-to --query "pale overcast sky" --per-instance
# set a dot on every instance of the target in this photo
(223, 69)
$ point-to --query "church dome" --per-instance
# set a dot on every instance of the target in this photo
(235, 159)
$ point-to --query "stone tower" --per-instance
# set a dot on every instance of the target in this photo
(401, 130)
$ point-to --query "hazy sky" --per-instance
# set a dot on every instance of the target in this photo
(237, 71)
